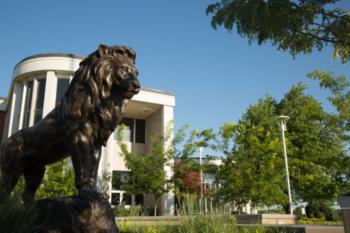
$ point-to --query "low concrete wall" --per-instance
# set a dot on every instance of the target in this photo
(149, 220)
(264, 219)
(344, 202)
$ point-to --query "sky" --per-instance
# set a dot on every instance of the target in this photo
(214, 75)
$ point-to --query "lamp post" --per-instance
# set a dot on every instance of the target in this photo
(282, 120)
(201, 180)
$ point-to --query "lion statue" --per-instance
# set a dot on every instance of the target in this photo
(83, 121)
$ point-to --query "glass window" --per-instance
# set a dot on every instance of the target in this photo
(135, 130)
(119, 178)
(115, 199)
(28, 103)
(62, 87)
(126, 199)
(39, 104)
(139, 199)
(140, 131)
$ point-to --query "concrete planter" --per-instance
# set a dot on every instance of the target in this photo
(266, 219)
(344, 202)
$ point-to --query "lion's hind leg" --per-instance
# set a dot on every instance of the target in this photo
(33, 176)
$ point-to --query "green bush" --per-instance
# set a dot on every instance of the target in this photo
(121, 211)
(15, 218)
(322, 221)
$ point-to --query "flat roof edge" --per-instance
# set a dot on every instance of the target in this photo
(74, 56)
(156, 91)
(68, 55)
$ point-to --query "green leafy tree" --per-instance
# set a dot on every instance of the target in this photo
(58, 180)
(186, 174)
(316, 152)
(294, 26)
(148, 175)
(252, 170)
(340, 99)
(185, 149)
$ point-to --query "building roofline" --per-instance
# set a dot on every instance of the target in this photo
(156, 91)
(68, 55)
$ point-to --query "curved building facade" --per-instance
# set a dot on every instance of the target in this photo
(38, 84)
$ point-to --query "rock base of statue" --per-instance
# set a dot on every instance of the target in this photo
(87, 212)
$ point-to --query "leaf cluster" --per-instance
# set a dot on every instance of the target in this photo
(58, 180)
(294, 26)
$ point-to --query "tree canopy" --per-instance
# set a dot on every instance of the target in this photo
(253, 169)
(316, 149)
(297, 26)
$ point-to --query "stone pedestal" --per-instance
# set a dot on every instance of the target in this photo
(87, 212)
(344, 202)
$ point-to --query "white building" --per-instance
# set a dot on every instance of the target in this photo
(40, 81)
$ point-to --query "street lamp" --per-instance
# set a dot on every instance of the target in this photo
(282, 120)
(201, 179)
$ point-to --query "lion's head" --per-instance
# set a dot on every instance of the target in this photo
(104, 80)
(119, 61)
(113, 68)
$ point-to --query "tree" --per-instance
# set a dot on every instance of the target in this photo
(294, 26)
(188, 168)
(148, 175)
(340, 99)
(253, 170)
(316, 151)
(253, 165)
(58, 180)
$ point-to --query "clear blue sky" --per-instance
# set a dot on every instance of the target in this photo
(214, 75)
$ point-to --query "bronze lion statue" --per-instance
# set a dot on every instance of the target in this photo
(83, 121)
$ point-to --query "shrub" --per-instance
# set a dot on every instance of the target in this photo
(15, 218)
(121, 211)
(322, 221)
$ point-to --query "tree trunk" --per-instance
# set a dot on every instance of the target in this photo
(155, 205)
(155, 208)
